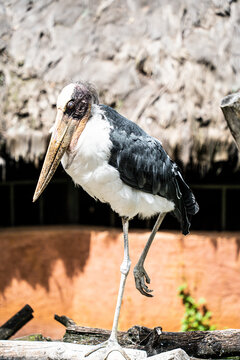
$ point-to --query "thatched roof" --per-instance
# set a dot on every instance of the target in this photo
(165, 65)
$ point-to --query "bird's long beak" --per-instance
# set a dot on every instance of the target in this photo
(60, 140)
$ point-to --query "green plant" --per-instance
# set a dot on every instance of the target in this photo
(197, 316)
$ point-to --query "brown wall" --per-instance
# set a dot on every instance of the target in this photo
(75, 271)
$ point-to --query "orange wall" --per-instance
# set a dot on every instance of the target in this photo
(74, 271)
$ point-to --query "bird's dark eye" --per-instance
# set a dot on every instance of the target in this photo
(70, 105)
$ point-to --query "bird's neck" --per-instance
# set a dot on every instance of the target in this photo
(92, 144)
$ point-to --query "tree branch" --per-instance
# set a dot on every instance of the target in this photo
(64, 320)
(230, 106)
(16, 322)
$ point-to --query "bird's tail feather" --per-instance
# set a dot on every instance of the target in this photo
(189, 200)
(186, 204)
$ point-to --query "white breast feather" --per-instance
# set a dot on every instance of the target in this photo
(90, 169)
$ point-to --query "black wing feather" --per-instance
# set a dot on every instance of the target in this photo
(143, 164)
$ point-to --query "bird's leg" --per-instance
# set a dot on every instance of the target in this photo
(112, 344)
(139, 272)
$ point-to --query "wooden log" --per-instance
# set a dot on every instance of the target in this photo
(93, 336)
(199, 344)
(230, 106)
(16, 322)
(31, 350)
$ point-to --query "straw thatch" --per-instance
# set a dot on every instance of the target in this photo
(164, 64)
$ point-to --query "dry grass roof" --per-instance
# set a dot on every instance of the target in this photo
(165, 65)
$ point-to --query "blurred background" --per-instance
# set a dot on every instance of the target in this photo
(164, 65)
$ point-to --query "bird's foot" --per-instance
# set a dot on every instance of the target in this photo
(109, 346)
(141, 277)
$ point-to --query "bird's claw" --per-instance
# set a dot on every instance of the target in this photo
(141, 277)
(109, 346)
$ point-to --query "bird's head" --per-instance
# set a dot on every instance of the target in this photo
(73, 111)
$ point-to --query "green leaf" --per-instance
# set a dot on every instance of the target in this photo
(196, 316)
(182, 287)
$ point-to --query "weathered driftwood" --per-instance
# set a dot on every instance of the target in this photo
(201, 344)
(31, 350)
(16, 322)
(230, 106)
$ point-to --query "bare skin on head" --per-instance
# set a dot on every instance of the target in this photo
(65, 96)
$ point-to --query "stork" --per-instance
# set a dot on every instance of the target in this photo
(116, 162)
